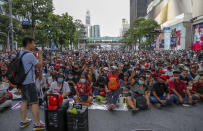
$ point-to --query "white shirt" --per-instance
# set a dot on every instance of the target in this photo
(55, 89)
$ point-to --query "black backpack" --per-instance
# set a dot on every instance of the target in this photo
(141, 102)
(16, 72)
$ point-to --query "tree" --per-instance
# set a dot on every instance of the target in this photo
(61, 29)
(4, 28)
(36, 11)
(142, 31)
(80, 30)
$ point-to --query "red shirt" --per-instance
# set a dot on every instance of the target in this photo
(196, 86)
(179, 87)
(84, 88)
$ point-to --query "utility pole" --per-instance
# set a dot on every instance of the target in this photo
(10, 25)
(33, 20)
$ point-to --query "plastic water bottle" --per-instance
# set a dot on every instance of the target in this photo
(120, 100)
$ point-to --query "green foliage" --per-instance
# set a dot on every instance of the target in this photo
(4, 27)
(60, 29)
(142, 28)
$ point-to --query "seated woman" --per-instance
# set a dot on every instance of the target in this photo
(99, 86)
(83, 91)
(71, 82)
(124, 85)
(61, 87)
(197, 88)
(138, 95)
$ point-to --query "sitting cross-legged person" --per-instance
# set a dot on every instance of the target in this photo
(157, 94)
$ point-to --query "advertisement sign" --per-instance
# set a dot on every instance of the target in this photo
(198, 37)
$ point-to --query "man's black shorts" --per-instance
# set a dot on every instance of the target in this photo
(29, 93)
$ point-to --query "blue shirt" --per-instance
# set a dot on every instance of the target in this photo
(29, 61)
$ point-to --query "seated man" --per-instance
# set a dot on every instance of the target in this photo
(179, 91)
(200, 72)
(4, 77)
(113, 89)
(197, 88)
(60, 87)
(157, 95)
(184, 77)
(138, 95)
(83, 91)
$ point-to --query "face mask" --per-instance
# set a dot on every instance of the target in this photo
(70, 77)
(113, 72)
(142, 67)
(83, 80)
(176, 78)
(60, 80)
(148, 76)
(141, 82)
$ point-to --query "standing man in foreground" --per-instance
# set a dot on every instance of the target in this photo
(29, 91)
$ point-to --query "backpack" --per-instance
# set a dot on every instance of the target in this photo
(16, 71)
(141, 102)
(112, 84)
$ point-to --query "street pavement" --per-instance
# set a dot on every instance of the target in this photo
(174, 118)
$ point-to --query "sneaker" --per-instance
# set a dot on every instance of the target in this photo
(135, 110)
(26, 123)
(39, 127)
(186, 105)
(158, 105)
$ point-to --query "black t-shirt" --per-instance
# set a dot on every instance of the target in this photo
(98, 85)
(76, 76)
(186, 79)
(160, 89)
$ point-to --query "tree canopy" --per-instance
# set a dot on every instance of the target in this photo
(142, 32)
(60, 29)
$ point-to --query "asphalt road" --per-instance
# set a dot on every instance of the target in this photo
(175, 118)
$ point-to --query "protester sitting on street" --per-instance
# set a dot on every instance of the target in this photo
(84, 91)
(4, 77)
(157, 94)
(72, 84)
(138, 97)
(197, 88)
(200, 72)
(113, 88)
(60, 87)
(149, 81)
(124, 85)
(179, 91)
(99, 86)
(184, 77)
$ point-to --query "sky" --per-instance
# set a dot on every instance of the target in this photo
(106, 13)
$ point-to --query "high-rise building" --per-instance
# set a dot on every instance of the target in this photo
(125, 27)
(138, 8)
(95, 31)
(88, 18)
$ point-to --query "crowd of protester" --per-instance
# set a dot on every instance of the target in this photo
(143, 78)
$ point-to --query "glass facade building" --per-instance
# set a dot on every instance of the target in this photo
(138, 8)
